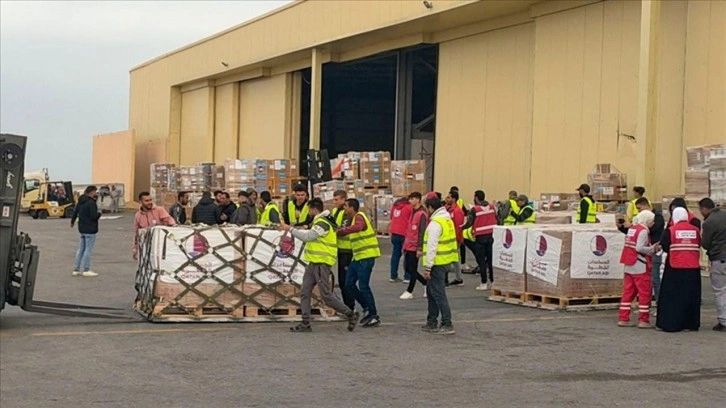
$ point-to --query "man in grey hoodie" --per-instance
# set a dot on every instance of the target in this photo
(713, 240)
(246, 214)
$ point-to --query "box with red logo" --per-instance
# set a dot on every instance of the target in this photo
(508, 259)
(570, 261)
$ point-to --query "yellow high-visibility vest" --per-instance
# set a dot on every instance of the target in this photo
(531, 218)
(323, 250)
(447, 252)
(365, 243)
(265, 217)
(291, 213)
(509, 219)
(343, 242)
(591, 211)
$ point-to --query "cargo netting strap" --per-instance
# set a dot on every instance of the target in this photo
(254, 267)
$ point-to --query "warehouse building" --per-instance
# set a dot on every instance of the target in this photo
(499, 95)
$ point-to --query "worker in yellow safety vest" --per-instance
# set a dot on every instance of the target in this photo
(345, 249)
(270, 212)
(632, 210)
(295, 209)
(509, 208)
(321, 250)
(364, 245)
(586, 211)
(526, 214)
(440, 254)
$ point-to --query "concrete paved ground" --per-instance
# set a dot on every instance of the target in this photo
(501, 355)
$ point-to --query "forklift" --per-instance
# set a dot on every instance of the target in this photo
(18, 256)
(55, 199)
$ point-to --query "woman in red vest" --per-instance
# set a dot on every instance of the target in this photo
(637, 258)
(679, 303)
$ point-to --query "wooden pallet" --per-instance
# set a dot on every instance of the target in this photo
(162, 313)
(548, 302)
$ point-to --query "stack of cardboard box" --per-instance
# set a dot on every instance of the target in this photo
(326, 190)
(193, 178)
(163, 180)
(282, 175)
(607, 183)
(241, 174)
(375, 170)
(408, 176)
(706, 174)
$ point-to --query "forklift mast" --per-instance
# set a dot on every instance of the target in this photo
(18, 257)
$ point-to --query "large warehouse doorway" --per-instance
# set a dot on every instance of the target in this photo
(383, 102)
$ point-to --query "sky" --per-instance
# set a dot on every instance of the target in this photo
(64, 67)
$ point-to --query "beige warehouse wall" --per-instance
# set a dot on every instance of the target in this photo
(585, 92)
(705, 76)
(113, 160)
(226, 122)
(264, 117)
(197, 126)
(484, 111)
(146, 154)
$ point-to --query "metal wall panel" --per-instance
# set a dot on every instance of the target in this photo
(197, 143)
(484, 111)
(226, 122)
(264, 120)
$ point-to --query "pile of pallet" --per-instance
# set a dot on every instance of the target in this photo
(706, 174)
(558, 267)
(221, 274)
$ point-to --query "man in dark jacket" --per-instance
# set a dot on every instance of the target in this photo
(246, 214)
(178, 210)
(655, 232)
(87, 214)
(225, 208)
(713, 241)
(205, 212)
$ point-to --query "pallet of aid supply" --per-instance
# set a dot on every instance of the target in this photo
(604, 302)
(505, 296)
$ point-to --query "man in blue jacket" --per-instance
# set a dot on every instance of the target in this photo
(87, 214)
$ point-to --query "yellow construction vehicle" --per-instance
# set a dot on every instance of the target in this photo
(55, 199)
(31, 187)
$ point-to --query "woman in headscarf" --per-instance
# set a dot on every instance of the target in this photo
(679, 304)
(637, 258)
(679, 202)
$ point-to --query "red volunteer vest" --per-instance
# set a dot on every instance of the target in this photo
(486, 219)
(630, 256)
(690, 218)
(412, 233)
(685, 251)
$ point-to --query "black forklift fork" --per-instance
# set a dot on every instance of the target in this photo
(21, 285)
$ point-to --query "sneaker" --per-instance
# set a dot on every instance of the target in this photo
(457, 282)
(301, 328)
(644, 325)
(406, 295)
(89, 274)
(719, 327)
(365, 319)
(625, 323)
(353, 320)
(483, 286)
(372, 322)
(76, 273)
(406, 281)
(429, 329)
(394, 280)
(444, 330)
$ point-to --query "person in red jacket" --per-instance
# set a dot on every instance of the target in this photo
(481, 219)
(457, 215)
(413, 245)
(636, 257)
(400, 216)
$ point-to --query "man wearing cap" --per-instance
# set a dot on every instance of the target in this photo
(510, 206)
(586, 211)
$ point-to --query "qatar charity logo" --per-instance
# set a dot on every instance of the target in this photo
(284, 246)
(599, 245)
(508, 239)
(541, 245)
(199, 246)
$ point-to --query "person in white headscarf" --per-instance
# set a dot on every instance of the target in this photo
(637, 261)
(679, 303)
